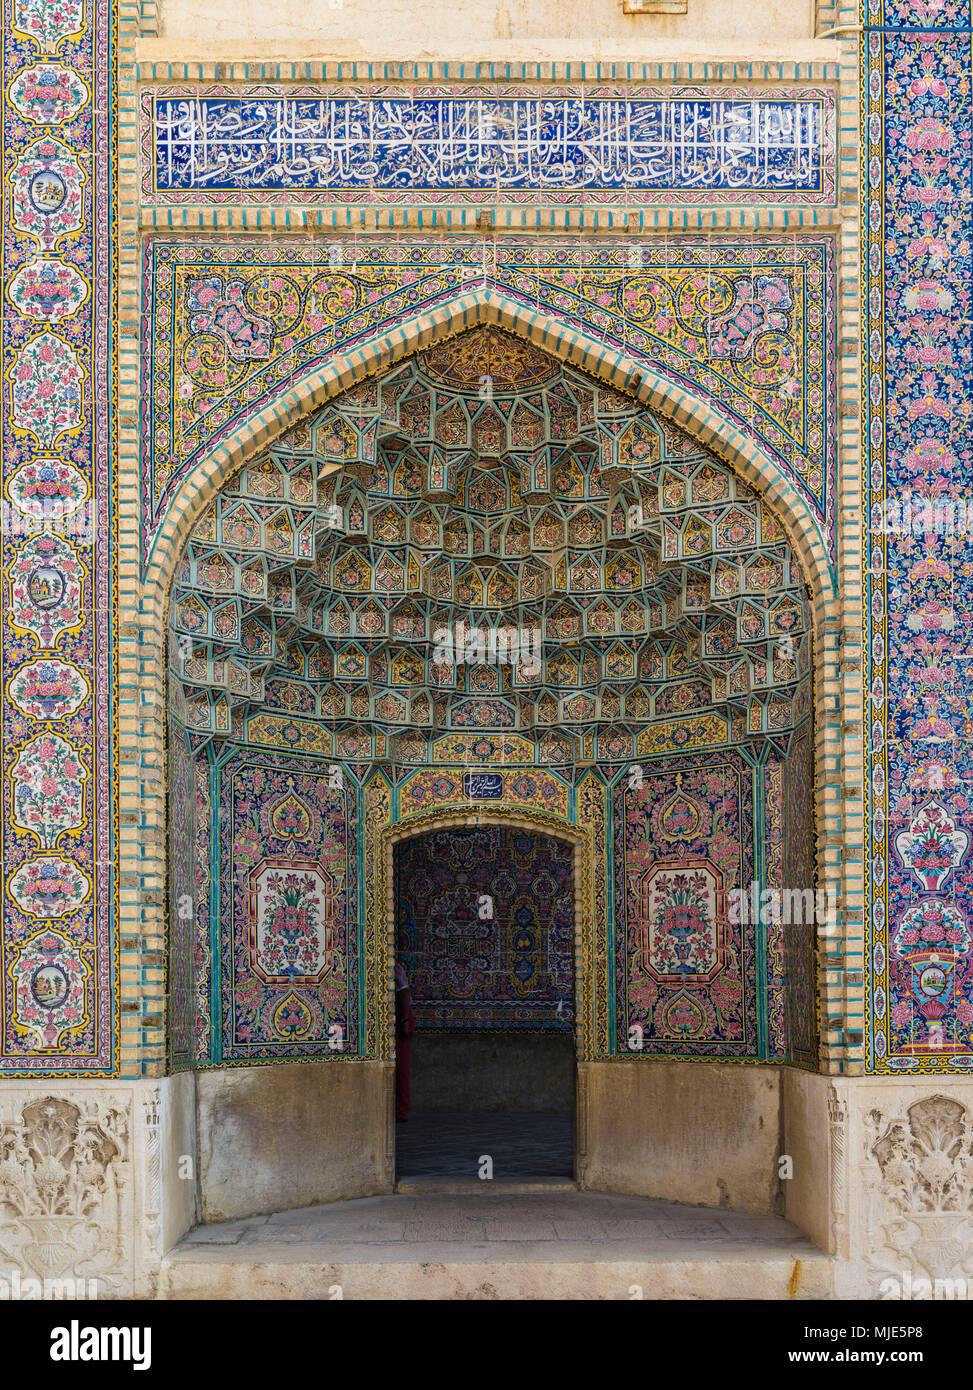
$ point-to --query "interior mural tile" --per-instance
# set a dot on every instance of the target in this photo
(686, 982)
(508, 970)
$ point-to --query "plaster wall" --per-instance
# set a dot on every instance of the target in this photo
(881, 1178)
(179, 1157)
(424, 30)
(806, 1104)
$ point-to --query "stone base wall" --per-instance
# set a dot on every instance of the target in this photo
(878, 1173)
(90, 1189)
(283, 1137)
(706, 1134)
(901, 1187)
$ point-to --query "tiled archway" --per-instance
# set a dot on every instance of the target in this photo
(298, 639)
(481, 306)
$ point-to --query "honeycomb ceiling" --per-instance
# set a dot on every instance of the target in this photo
(483, 485)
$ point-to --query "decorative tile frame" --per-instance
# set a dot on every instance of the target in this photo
(379, 354)
(132, 1007)
(608, 145)
(58, 352)
(916, 337)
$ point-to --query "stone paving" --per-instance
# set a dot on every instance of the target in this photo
(448, 1144)
(563, 1245)
(561, 1221)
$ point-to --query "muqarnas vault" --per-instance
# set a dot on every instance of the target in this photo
(673, 633)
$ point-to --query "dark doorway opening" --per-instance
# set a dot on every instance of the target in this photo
(485, 935)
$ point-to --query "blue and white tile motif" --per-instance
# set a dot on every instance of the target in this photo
(536, 148)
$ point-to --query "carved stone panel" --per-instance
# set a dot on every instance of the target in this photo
(908, 1193)
(81, 1189)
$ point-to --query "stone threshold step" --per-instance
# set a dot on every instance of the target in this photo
(477, 1187)
(432, 1275)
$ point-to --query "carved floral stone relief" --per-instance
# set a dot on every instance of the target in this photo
(917, 1193)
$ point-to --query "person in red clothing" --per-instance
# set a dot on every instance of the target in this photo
(405, 1026)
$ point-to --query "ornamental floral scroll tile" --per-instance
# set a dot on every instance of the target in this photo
(48, 797)
(46, 200)
(932, 925)
(44, 584)
(759, 306)
(48, 289)
(222, 310)
(290, 819)
(50, 887)
(681, 911)
(48, 689)
(49, 985)
(933, 938)
(292, 905)
(49, 93)
(45, 384)
(48, 22)
(933, 846)
(48, 489)
(292, 1019)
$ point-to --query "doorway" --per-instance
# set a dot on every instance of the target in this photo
(485, 934)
